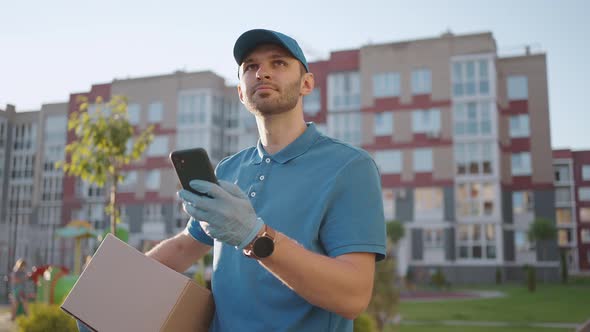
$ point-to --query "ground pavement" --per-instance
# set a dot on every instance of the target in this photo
(5, 324)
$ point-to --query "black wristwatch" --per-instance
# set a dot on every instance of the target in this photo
(263, 244)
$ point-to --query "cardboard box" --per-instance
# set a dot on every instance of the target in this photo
(121, 289)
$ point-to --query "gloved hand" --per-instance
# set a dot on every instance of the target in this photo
(227, 211)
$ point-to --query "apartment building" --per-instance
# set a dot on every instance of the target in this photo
(459, 133)
(461, 138)
(187, 110)
(572, 206)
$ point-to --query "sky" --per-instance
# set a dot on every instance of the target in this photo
(49, 49)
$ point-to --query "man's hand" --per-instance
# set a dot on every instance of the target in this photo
(228, 214)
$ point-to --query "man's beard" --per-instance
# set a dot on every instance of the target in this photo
(265, 105)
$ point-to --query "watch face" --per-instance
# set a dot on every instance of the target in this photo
(263, 247)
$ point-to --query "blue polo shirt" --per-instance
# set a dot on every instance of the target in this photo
(324, 194)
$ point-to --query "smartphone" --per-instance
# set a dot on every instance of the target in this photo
(192, 164)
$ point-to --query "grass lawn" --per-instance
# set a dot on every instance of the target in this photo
(550, 303)
(445, 328)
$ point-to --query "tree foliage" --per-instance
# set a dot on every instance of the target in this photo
(395, 231)
(383, 304)
(542, 229)
(105, 141)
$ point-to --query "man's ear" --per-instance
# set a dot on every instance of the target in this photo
(307, 84)
(240, 94)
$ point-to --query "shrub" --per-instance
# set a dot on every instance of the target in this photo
(364, 323)
(531, 278)
(564, 268)
(438, 279)
(498, 276)
(44, 317)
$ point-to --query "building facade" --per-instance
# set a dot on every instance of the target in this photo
(572, 207)
(459, 133)
(461, 138)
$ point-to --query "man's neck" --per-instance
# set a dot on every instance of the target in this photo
(279, 130)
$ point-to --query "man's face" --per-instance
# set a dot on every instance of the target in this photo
(271, 80)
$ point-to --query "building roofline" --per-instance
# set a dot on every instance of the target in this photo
(173, 74)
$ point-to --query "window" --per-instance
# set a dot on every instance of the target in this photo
(517, 87)
(522, 243)
(521, 163)
(389, 161)
(475, 199)
(56, 127)
(476, 241)
(584, 193)
(388, 197)
(472, 119)
(386, 85)
(564, 237)
(433, 238)
(158, 147)
(519, 126)
(129, 181)
(152, 180)
(562, 173)
(585, 235)
(564, 216)
(134, 111)
(428, 204)
(155, 112)
(584, 214)
(563, 196)
(193, 108)
(383, 124)
(474, 158)
(586, 172)
(422, 160)
(471, 78)
(186, 139)
(345, 127)
(421, 81)
(344, 91)
(426, 121)
(152, 212)
(522, 202)
(312, 103)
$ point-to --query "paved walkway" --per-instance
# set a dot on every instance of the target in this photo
(573, 326)
(432, 296)
(5, 324)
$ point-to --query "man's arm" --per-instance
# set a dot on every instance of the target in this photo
(343, 284)
(179, 252)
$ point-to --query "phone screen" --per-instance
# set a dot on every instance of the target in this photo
(192, 164)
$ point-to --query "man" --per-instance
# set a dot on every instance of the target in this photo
(296, 223)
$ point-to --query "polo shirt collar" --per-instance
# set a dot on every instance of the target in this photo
(293, 150)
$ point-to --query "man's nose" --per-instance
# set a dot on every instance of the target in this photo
(262, 72)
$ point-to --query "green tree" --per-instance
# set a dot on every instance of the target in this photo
(100, 148)
(541, 230)
(385, 295)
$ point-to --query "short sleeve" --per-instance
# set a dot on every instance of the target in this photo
(196, 231)
(354, 220)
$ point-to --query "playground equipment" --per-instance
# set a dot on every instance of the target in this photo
(77, 230)
(53, 283)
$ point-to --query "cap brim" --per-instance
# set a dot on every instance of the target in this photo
(248, 41)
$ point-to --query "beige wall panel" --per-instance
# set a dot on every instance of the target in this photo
(442, 163)
(408, 165)
(402, 131)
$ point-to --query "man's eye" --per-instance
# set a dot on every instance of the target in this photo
(249, 67)
(280, 63)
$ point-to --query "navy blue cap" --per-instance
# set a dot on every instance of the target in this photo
(249, 40)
